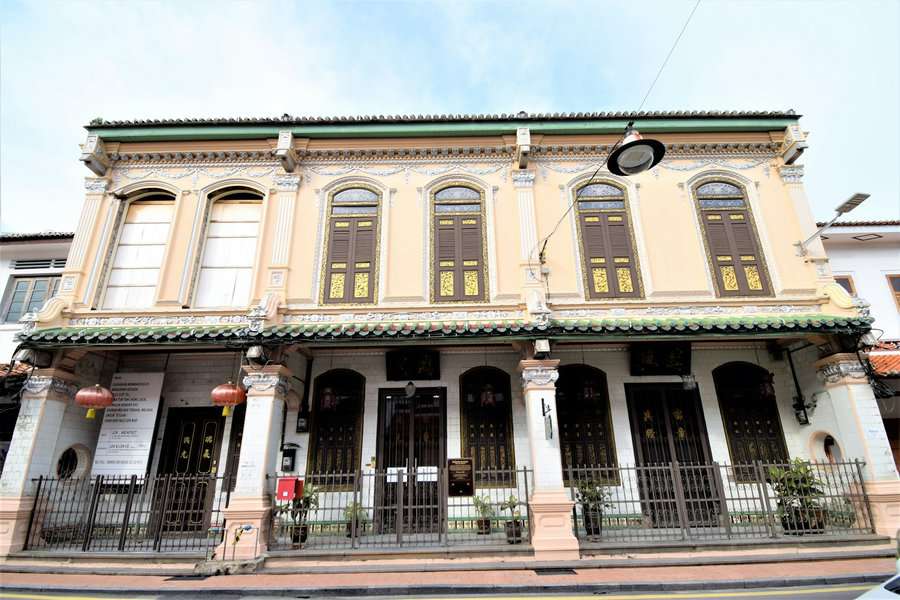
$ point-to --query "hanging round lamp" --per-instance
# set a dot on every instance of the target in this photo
(227, 395)
(635, 154)
(93, 397)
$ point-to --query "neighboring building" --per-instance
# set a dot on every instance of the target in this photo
(30, 268)
(865, 260)
(383, 290)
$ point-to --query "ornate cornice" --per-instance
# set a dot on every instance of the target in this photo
(37, 384)
(264, 382)
(211, 156)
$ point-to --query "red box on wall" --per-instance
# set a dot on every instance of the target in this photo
(288, 488)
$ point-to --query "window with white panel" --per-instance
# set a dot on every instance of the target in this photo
(136, 262)
(226, 265)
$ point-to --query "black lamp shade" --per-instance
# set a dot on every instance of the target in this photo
(636, 155)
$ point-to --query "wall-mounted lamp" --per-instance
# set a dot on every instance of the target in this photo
(541, 349)
(688, 381)
(848, 205)
(803, 409)
(40, 359)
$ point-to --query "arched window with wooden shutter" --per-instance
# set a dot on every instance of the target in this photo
(459, 263)
(731, 242)
(607, 248)
(350, 268)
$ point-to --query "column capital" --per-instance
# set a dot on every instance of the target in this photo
(287, 183)
(51, 384)
(522, 178)
(539, 374)
(267, 381)
(841, 369)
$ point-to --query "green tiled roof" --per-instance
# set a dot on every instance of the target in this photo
(448, 330)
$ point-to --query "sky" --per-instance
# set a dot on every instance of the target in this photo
(64, 63)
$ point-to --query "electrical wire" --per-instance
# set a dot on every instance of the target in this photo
(546, 239)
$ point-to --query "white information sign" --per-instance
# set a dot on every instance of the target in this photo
(126, 434)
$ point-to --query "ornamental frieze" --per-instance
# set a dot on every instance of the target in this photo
(679, 311)
(193, 171)
(386, 317)
(146, 321)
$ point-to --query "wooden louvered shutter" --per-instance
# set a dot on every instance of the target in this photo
(736, 261)
(350, 267)
(609, 256)
(459, 258)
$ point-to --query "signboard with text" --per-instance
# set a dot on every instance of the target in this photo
(460, 477)
(126, 434)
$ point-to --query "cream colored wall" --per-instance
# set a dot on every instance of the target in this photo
(670, 248)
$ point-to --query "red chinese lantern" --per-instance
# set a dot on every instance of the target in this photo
(93, 397)
(226, 396)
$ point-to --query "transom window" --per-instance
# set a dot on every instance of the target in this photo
(459, 261)
(731, 242)
(226, 268)
(609, 260)
(139, 253)
(352, 247)
(28, 294)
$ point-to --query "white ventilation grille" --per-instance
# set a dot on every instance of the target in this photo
(31, 264)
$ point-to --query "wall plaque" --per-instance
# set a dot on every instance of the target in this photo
(413, 364)
(460, 477)
(126, 434)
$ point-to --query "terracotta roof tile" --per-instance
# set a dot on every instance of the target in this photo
(885, 364)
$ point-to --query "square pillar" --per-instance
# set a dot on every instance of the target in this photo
(551, 534)
(862, 435)
(247, 514)
(44, 400)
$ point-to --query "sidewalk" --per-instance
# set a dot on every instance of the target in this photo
(608, 579)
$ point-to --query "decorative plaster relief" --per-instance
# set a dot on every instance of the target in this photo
(674, 311)
(37, 384)
(539, 376)
(523, 179)
(263, 382)
(836, 371)
(286, 183)
(791, 173)
(372, 317)
(96, 184)
(144, 320)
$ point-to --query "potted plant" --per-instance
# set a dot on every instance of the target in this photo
(485, 511)
(356, 517)
(797, 494)
(593, 496)
(514, 525)
(297, 510)
(841, 513)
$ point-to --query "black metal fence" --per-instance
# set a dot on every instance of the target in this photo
(398, 507)
(161, 513)
(677, 501)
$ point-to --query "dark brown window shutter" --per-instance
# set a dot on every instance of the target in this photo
(734, 254)
(608, 255)
(459, 268)
(350, 266)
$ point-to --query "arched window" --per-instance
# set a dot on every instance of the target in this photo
(608, 254)
(750, 414)
(458, 253)
(336, 427)
(731, 243)
(352, 247)
(582, 409)
(141, 245)
(226, 266)
(486, 414)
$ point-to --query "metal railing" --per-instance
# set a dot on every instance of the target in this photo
(159, 513)
(398, 507)
(679, 501)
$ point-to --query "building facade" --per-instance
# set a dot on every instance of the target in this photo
(865, 260)
(622, 360)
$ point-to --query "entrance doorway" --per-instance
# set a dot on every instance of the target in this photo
(190, 458)
(673, 458)
(412, 448)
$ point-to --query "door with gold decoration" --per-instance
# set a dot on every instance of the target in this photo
(190, 458)
(671, 445)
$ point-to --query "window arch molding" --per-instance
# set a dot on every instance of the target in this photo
(326, 196)
(749, 188)
(632, 208)
(125, 197)
(488, 195)
(208, 196)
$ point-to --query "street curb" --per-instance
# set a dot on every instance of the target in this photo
(401, 567)
(732, 584)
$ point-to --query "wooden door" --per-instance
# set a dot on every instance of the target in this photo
(190, 459)
(672, 451)
(411, 450)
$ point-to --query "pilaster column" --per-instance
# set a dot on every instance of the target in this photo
(532, 289)
(247, 515)
(283, 198)
(551, 508)
(44, 400)
(862, 435)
